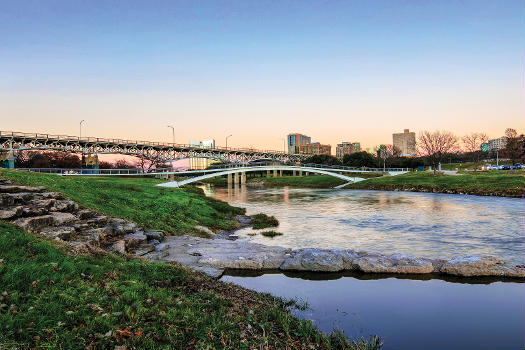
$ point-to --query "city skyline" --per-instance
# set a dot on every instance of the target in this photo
(335, 71)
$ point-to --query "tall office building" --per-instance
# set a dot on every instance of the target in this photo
(345, 148)
(497, 144)
(316, 148)
(296, 141)
(405, 142)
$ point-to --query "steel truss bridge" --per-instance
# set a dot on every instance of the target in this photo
(18, 141)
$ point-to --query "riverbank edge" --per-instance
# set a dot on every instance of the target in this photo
(436, 189)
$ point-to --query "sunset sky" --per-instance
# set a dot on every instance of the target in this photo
(334, 70)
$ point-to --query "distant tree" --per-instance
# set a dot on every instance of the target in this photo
(515, 148)
(105, 165)
(360, 159)
(472, 145)
(150, 162)
(123, 164)
(322, 159)
(47, 159)
(435, 145)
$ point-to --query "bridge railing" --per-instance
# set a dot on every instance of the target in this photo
(86, 171)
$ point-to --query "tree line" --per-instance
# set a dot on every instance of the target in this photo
(432, 149)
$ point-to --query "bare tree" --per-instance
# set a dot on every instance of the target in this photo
(515, 148)
(435, 145)
(147, 163)
(472, 144)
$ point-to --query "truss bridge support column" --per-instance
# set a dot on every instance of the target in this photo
(243, 177)
(280, 173)
(274, 172)
(295, 173)
(267, 173)
(229, 179)
(236, 178)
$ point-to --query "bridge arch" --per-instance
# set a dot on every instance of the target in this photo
(259, 168)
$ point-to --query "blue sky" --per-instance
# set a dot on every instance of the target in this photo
(335, 70)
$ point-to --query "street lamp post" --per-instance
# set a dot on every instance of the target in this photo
(83, 159)
(228, 154)
(173, 141)
(172, 133)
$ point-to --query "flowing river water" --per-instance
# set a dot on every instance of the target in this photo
(408, 313)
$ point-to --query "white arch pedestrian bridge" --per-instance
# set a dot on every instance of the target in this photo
(339, 172)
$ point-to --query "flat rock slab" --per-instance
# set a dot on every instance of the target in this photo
(481, 266)
(325, 260)
(222, 253)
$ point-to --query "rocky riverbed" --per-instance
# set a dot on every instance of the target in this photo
(53, 216)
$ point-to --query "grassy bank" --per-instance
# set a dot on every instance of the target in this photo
(511, 184)
(137, 199)
(51, 299)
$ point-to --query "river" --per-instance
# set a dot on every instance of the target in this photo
(406, 312)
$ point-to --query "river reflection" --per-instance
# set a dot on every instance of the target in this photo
(416, 224)
(426, 313)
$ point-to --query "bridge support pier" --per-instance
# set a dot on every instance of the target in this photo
(295, 173)
(274, 172)
(267, 173)
(300, 173)
(236, 178)
(229, 179)
(280, 173)
(243, 178)
(307, 173)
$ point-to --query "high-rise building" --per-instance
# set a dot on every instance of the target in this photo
(405, 142)
(345, 148)
(497, 144)
(316, 148)
(296, 141)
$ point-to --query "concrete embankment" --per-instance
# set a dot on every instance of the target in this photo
(50, 215)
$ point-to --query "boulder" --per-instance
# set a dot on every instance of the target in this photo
(472, 265)
(119, 247)
(11, 213)
(33, 223)
(34, 211)
(10, 199)
(85, 214)
(102, 232)
(205, 230)
(313, 259)
(154, 235)
(64, 205)
(60, 218)
(143, 249)
(6, 188)
(62, 232)
(134, 239)
(396, 263)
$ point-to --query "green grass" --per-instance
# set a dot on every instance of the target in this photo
(51, 299)
(174, 211)
(510, 184)
(260, 221)
(271, 234)
(470, 165)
